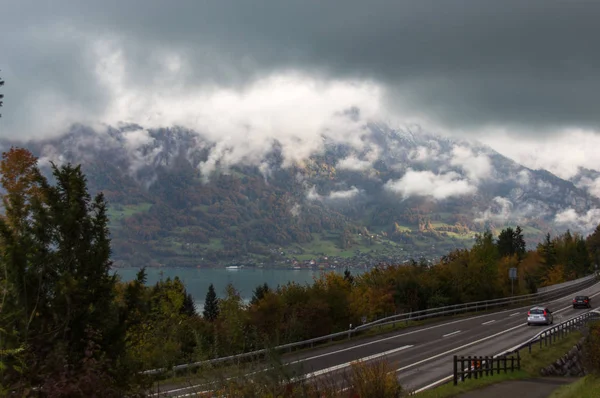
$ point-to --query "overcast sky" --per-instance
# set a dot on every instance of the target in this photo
(501, 71)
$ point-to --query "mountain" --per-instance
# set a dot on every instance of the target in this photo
(179, 199)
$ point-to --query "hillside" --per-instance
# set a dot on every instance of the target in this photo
(179, 200)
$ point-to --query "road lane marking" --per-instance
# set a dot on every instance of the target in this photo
(472, 343)
(468, 345)
(418, 331)
(406, 334)
(488, 322)
(345, 365)
(451, 334)
(516, 313)
(435, 383)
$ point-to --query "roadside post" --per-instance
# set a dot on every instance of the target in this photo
(512, 274)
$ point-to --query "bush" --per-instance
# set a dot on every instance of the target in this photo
(592, 349)
(374, 379)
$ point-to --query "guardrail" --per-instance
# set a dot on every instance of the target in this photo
(406, 317)
(480, 305)
(478, 366)
(557, 286)
(558, 331)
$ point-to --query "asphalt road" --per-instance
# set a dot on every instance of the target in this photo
(423, 355)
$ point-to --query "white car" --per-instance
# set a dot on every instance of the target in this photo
(539, 316)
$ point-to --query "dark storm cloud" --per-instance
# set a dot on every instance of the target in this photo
(463, 64)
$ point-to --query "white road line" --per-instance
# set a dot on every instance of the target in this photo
(344, 365)
(435, 383)
(488, 322)
(468, 345)
(413, 332)
(450, 334)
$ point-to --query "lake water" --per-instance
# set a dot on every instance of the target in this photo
(245, 280)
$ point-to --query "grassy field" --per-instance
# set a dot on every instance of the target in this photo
(586, 387)
(530, 368)
(119, 212)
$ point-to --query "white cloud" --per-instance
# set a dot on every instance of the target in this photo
(354, 164)
(426, 183)
(312, 194)
(296, 110)
(347, 194)
(523, 177)
(296, 209)
(591, 185)
(138, 138)
(586, 222)
(475, 166)
(561, 154)
(423, 153)
(500, 210)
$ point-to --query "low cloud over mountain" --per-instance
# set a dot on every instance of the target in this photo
(379, 178)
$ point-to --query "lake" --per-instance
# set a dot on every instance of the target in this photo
(245, 280)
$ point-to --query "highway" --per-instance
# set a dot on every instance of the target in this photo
(423, 355)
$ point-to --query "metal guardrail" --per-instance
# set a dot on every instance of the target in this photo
(412, 316)
(556, 332)
(557, 286)
(478, 305)
(479, 366)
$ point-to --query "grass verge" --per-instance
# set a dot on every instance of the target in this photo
(586, 387)
(531, 364)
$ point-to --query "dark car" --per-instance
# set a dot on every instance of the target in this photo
(582, 301)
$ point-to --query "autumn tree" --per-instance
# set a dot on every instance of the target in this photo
(483, 268)
(211, 304)
(233, 333)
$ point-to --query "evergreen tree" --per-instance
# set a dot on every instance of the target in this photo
(505, 242)
(593, 246)
(211, 304)
(511, 242)
(189, 307)
(348, 276)
(259, 292)
(519, 243)
(55, 253)
(548, 252)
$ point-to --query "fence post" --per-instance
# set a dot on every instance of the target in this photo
(455, 370)
(480, 366)
(512, 363)
(469, 361)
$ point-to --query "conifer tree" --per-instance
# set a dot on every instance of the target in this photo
(259, 292)
(55, 257)
(211, 304)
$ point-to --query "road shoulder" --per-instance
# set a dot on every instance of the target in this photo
(541, 387)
